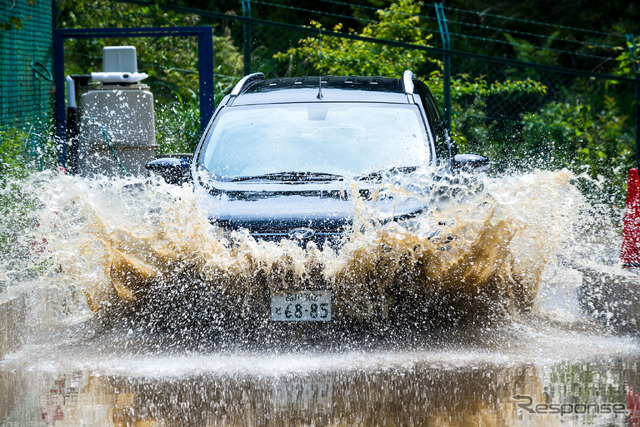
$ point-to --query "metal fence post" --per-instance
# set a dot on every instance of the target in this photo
(246, 27)
(60, 110)
(446, 79)
(205, 70)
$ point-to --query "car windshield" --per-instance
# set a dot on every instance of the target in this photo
(318, 139)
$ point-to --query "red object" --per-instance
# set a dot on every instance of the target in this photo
(633, 404)
(630, 253)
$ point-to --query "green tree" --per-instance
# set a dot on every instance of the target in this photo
(341, 56)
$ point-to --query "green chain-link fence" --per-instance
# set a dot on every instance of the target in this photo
(26, 63)
(26, 80)
(533, 118)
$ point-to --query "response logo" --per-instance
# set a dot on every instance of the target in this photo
(528, 405)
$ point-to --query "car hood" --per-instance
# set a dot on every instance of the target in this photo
(319, 210)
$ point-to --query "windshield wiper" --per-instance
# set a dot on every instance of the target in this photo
(385, 172)
(291, 176)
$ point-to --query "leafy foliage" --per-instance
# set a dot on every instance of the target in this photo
(629, 58)
(528, 52)
(176, 128)
(579, 136)
(340, 56)
(20, 153)
(13, 147)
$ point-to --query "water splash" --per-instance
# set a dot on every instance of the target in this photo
(146, 249)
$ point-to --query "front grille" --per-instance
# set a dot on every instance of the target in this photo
(320, 238)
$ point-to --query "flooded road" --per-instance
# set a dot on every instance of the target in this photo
(532, 373)
(530, 356)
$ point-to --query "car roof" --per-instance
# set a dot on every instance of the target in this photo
(334, 89)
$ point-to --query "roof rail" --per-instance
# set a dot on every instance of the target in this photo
(407, 82)
(244, 81)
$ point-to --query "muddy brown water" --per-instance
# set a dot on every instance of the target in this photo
(98, 249)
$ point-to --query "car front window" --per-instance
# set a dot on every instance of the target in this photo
(345, 139)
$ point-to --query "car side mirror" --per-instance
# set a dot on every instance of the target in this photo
(174, 169)
(470, 163)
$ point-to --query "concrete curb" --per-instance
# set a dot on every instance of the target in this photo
(611, 296)
(12, 321)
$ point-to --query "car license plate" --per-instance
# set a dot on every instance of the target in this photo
(301, 306)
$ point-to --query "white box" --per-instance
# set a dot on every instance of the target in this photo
(120, 59)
